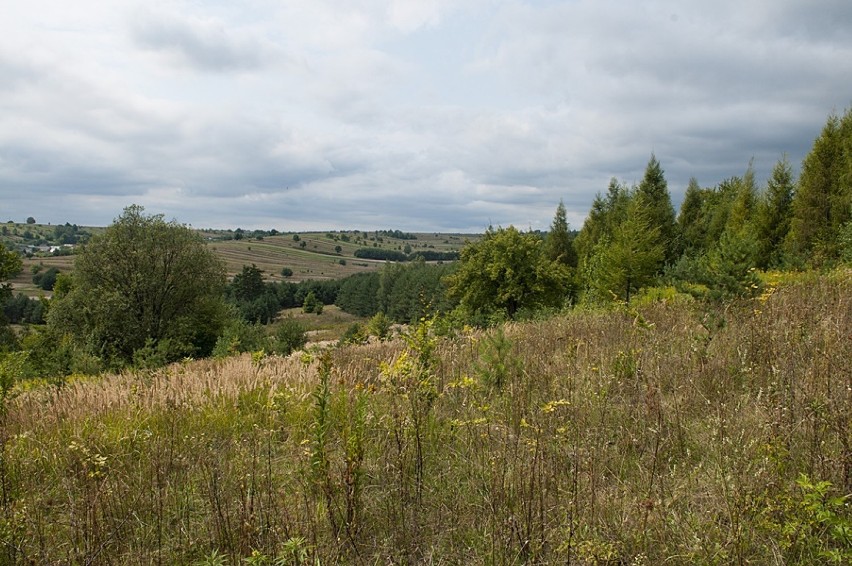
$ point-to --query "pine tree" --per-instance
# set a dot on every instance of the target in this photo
(773, 215)
(718, 209)
(692, 221)
(742, 208)
(592, 230)
(631, 257)
(823, 202)
(559, 242)
(606, 214)
(655, 193)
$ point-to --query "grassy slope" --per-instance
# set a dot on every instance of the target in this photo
(592, 438)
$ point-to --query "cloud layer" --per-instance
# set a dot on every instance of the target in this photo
(420, 115)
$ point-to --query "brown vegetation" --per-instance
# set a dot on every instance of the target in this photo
(678, 434)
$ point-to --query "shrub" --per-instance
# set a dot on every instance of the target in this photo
(289, 336)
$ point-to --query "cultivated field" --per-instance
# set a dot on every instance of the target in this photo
(316, 259)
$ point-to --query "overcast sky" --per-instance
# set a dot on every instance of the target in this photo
(443, 115)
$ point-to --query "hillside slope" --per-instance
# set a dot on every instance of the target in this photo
(681, 434)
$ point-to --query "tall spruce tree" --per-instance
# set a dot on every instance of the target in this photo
(655, 193)
(560, 242)
(631, 256)
(823, 202)
(744, 203)
(692, 221)
(773, 215)
(606, 213)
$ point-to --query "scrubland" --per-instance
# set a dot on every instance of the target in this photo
(673, 433)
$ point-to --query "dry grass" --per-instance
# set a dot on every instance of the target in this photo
(675, 435)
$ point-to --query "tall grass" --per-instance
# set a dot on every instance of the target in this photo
(681, 434)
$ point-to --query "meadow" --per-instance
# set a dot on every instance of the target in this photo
(674, 432)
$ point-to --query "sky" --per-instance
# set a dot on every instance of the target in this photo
(443, 115)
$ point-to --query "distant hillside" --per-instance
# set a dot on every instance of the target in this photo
(299, 255)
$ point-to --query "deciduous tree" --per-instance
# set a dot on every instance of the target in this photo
(143, 283)
(506, 271)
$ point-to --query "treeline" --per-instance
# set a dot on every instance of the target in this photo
(396, 255)
(404, 293)
(258, 301)
(723, 234)
(397, 234)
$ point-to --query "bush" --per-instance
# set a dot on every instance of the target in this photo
(379, 325)
(238, 337)
(311, 304)
(289, 336)
(355, 334)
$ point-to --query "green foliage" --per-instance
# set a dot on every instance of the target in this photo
(559, 241)
(359, 294)
(630, 258)
(773, 215)
(239, 336)
(143, 280)
(312, 304)
(692, 228)
(823, 202)
(286, 272)
(10, 265)
(811, 525)
(380, 254)
(355, 334)
(46, 280)
(157, 354)
(605, 215)
(289, 336)
(21, 309)
(379, 326)
(497, 364)
(654, 192)
(725, 272)
(506, 271)
(744, 203)
(667, 439)
(248, 284)
(845, 240)
(407, 293)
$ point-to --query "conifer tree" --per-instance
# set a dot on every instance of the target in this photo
(655, 193)
(773, 214)
(823, 202)
(692, 221)
(606, 213)
(629, 258)
(744, 203)
(560, 243)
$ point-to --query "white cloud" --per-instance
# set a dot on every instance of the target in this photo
(390, 113)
